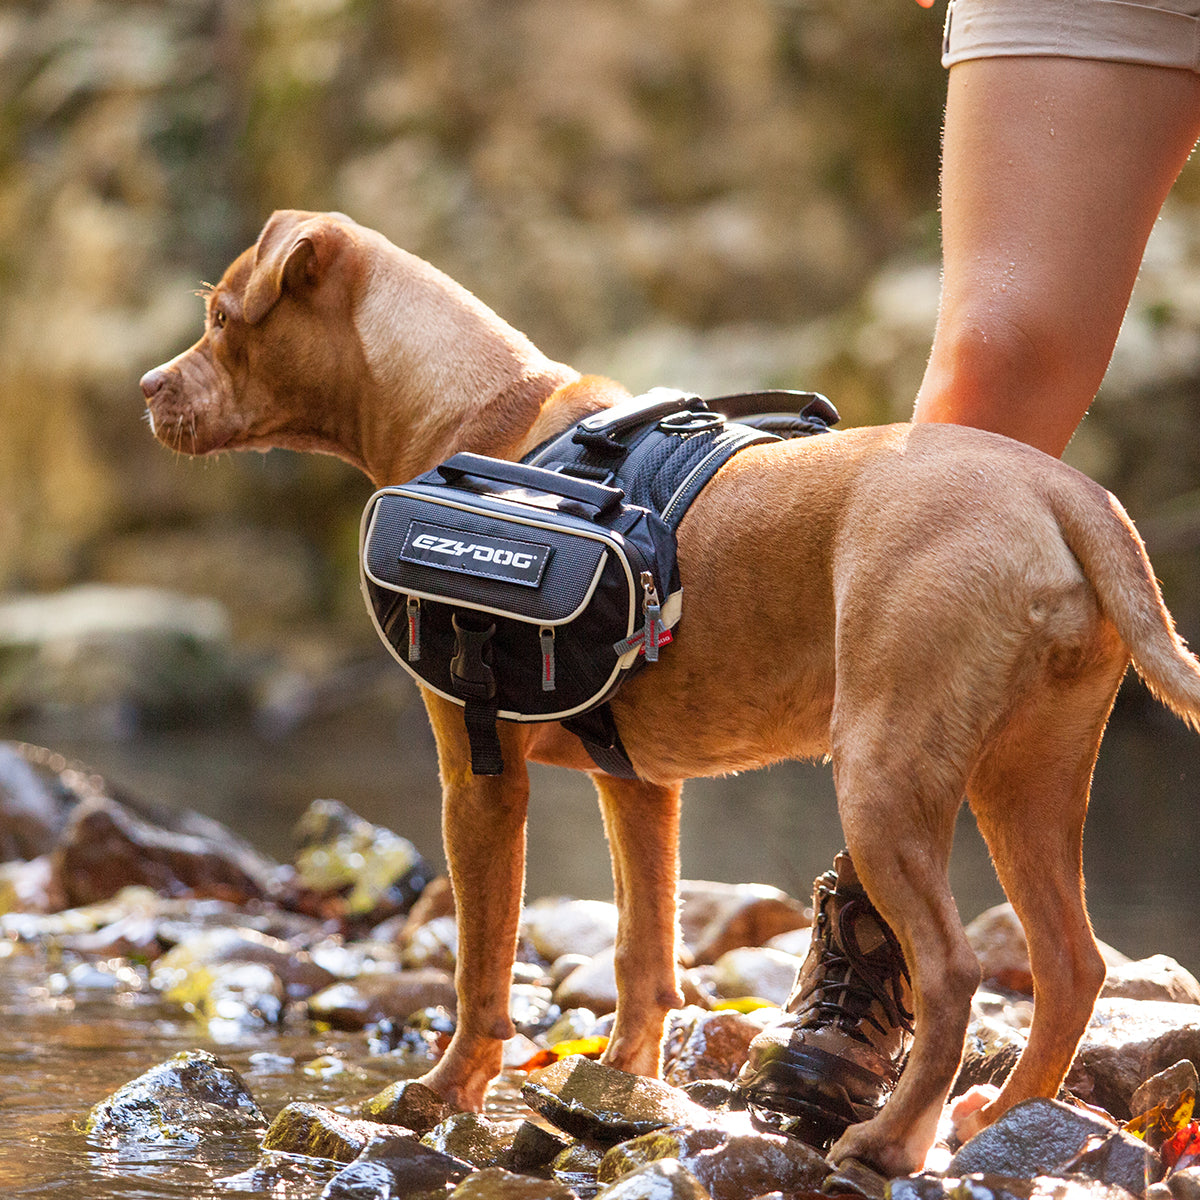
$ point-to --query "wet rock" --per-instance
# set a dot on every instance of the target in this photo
(396, 1165)
(433, 1018)
(1128, 1041)
(318, 1132)
(999, 943)
(434, 944)
(596, 1102)
(557, 926)
(105, 847)
(666, 1179)
(996, 1187)
(410, 1103)
(414, 1051)
(30, 887)
(495, 1183)
(1159, 977)
(532, 1008)
(855, 1178)
(68, 922)
(716, 1095)
(382, 995)
(275, 1174)
(181, 1101)
(717, 917)
(592, 986)
(174, 920)
(1167, 1087)
(348, 960)
(534, 1148)
(112, 977)
(519, 1050)
(437, 900)
(369, 1180)
(1119, 1160)
(33, 805)
(564, 965)
(731, 1166)
(531, 973)
(571, 1025)
(1184, 1185)
(795, 942)
(755, 971)
(1005, 1008)
(991, 1049)
(577, 1165)
(112, 660)
(366, 873)
(135, 936)
(233, 996)
(701, 1045)
(1045, 1137)
(298, 974)
(473, 1138)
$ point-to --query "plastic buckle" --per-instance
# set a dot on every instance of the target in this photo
(471, 674)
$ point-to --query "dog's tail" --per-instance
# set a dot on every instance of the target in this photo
(1100, 534)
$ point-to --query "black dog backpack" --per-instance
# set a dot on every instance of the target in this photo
(528, 591)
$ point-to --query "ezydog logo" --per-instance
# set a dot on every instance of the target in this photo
(475, 553)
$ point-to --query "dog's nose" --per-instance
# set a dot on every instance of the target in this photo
(152, 382)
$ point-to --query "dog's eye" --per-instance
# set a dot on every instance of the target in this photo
(218, 317)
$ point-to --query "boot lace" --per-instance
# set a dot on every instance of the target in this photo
(852, 985)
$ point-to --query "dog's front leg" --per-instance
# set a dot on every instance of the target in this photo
(483, 829)
(642, 823)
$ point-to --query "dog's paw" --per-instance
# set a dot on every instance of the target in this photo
(971, 1112)
(462, 1085)
(880, 1148)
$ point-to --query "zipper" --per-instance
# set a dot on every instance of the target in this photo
(719, 447)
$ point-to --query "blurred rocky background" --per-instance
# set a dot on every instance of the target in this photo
(714, 194)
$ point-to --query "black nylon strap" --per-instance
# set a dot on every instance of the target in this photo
(479, 716)
(597, 730)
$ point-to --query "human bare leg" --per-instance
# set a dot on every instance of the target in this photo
(1054, 171)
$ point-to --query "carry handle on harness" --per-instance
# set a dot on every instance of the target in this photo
(599, 495)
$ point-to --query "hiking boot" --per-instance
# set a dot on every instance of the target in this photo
(837, 1056)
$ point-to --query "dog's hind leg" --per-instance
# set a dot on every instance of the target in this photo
(1029, 794)
(483, 828)
(898, 817)
(642, 824)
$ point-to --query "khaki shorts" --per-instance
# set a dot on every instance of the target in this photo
(1162, 33)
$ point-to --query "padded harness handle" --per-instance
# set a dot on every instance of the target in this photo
(599, 495)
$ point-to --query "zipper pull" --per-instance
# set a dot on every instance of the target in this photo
(546, 636)
(414, 629)
(653, 612)
(653, 632)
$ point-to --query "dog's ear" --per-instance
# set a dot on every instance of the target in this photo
(290, 256)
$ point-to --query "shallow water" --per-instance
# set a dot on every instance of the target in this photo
(62, 1051)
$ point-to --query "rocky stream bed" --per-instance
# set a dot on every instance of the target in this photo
(268, 1023)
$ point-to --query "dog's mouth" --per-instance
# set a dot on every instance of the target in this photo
(183, 430)
(176, 418)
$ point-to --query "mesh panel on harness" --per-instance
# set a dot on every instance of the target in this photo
(527, 591)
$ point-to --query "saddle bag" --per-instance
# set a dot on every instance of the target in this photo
(528, 591)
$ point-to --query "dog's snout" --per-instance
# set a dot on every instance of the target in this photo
(152, 382)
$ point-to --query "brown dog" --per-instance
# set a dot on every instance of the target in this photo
(944, 612)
